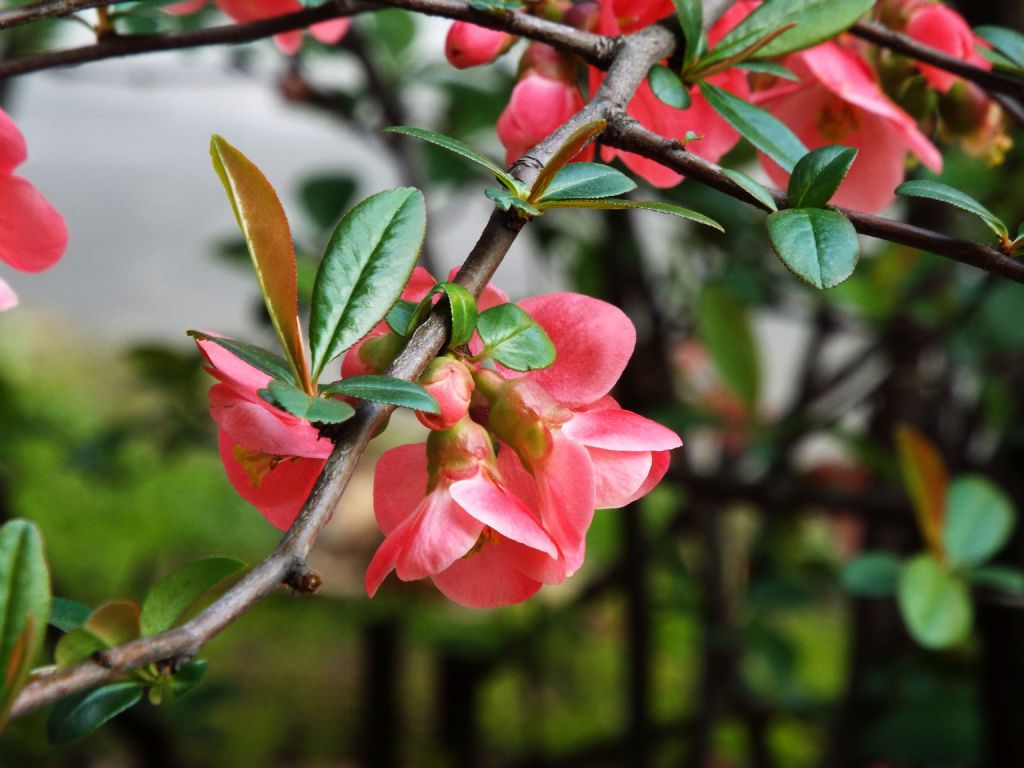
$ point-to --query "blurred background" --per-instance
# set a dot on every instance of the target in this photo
(709, 626)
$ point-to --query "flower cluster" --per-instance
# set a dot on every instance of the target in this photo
(845, 92)
(499, 498)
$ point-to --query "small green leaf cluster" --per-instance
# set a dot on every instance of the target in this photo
(509, 335)
(965, 523)
(1007, 47)
(367, 263)
(816, 243)
(944, 193)
(560, 183)
(89, 632)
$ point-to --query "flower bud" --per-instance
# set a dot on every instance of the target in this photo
(450, 383)
(457, 451)
(468, 45)
(373, 355)
(537, 107)
(522, 413)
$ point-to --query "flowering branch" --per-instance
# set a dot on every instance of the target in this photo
(287, 563)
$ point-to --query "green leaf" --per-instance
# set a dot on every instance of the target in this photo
(769, 68)
(24, 606)
(298, 403)
(497, 6)
(367, 264)
(257, 357)
(67, 615)
(818, 174)
(83, 713)
(1002, 578)
(723, 326)
(176, 592)
(385, 389)
(936, 190)
(873, 574)
(669, 89)
(1009, 42)
(75, 647)
(815, 21)
(563, 155)
(979, 520)
(265, 227)
(514, 339)
(691, 18)
(818, 245)
(189, 675)
(587, 181)
(400, 316)
(456, 146)
(462, 307)
(760, 128)
(327, 196)
(647, 205)
(507, 200)
(753, 188)
(936, 604)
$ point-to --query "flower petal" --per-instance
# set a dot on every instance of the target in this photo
(618, 475)
(659, 466)
(566, 492)
(485, 580)
(615, 429)
(593, 339)
(386, 556)
(399, 484)
(502, 511)
(261, 427)
(33, 234)
(13, 150)
(442, 533)
(231, 370)
(8, 298)
(331, 31)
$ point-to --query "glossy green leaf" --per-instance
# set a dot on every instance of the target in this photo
(569, 148)
(769, 68)
(176, 592)
(691, 19)
(298, 403)
(83, 713)
(814, 22)
(873, 574)
(1001, 578)
(723, 326)
(753, 188)
(935, 604)
(669, 89)
(979, 520)
(936, 190)
(263, 223)
(257, 357)
(188, 676)
(116, 622)
(24, 606)
(1008, 42)
(760, 128)
(587, 181)
(818, 174)
(514, 339)
(456, 146)
(385, 389)
(507, 200)
(497, 6)
(67, 615)
(647, 205)
(367, 264)
(818, 245)
(462, 308)
(77, 646)
(400, 316)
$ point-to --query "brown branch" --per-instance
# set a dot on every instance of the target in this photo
(595, 49)
(636, 55)
(625, 133)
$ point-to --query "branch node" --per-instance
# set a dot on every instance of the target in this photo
(302, 578)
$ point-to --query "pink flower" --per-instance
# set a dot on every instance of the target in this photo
(33, 235)
(943, 28)
(244, 11)
(271, 457)
(447, 514)
(839, 101)
(719, 137)
(468, 45)
(538, 106)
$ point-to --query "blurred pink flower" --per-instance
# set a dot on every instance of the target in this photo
(539, 104)
(943, 28)
(33, 234)
(468, 45)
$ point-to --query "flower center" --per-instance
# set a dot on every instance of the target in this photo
(837, 120)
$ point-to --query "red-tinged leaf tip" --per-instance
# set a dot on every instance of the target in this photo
(927, 480)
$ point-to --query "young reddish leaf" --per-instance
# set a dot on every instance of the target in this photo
(115, 622)
(570, 148)
(927, 481)
(263, 222)
(176, 592)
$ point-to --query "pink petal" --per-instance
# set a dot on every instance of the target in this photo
(485, 580)
(288, 43)
(33, 235)
(659, 466)
(943, 28)
(12, 144)
(329, 32)
(442, 533)
(468, 45)
(281, 492)
(184, 8)
(565, 486)
(618, 476)
(537, 107)
(260, 426)
(620, 430)
(593, 340)
(386, 556)
(399, 484)
(481, 498)
(8, 298)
